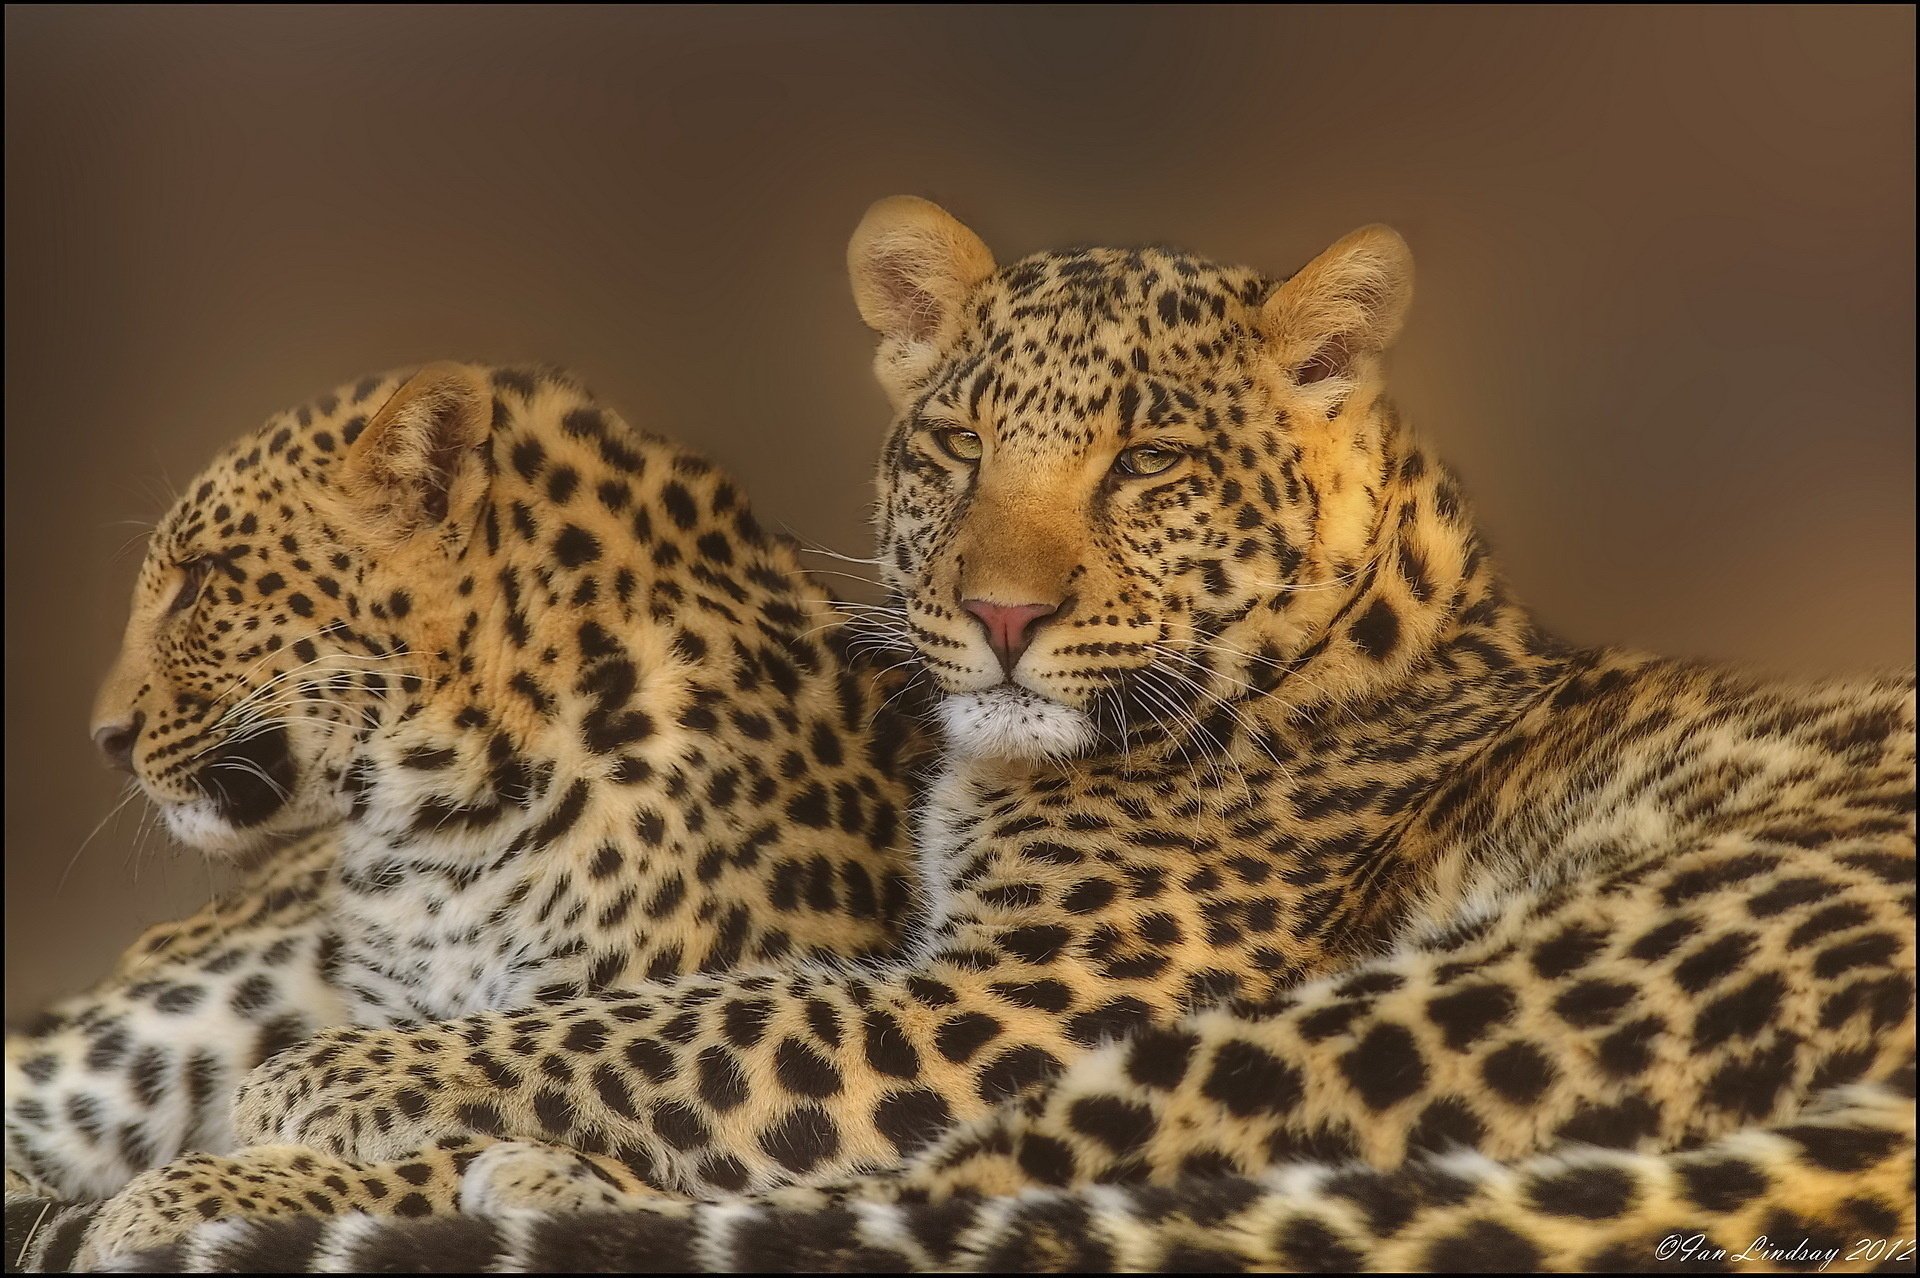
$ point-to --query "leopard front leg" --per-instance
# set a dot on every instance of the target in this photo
(479, 1174)
(711, 1085)
(163, 1205)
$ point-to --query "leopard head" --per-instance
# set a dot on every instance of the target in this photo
(292, 602)
(1113, 473)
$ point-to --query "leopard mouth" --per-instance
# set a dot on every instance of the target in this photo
(249, 779)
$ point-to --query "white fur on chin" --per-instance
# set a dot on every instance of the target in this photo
(197, 824)
(1009, 722)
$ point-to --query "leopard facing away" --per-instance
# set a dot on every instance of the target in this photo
(1293, 899)
(566, 718)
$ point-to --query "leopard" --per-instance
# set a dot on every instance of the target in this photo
(1289, 896)
(441, 659)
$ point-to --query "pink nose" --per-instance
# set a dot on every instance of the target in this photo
(1009, 627)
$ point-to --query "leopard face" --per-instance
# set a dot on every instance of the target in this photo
(1112, 474)
(278, 620)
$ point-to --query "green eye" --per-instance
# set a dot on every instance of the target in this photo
(961, 445)
(1147, 459)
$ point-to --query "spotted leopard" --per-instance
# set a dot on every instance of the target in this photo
(1280, 870)
(564, 715)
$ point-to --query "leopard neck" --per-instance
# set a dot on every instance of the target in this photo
(574, 644)
(638, 752)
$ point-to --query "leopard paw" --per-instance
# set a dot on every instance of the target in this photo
(520, 1176)
(156, 1208)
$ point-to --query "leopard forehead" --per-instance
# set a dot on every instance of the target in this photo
(282, 472)
(1070, 344)
(258, 516)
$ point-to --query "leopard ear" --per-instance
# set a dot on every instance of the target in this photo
(913, 265)
(1345, 305)
(417, 465)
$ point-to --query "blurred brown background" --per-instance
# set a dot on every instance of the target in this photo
(1665, 327)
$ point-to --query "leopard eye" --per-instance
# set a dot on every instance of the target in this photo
(193, 575)
(961, 445)
(1147, 459)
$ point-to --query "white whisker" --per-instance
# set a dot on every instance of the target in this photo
(132, 790)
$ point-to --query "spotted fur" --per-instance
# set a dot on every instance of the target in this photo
(574, 719)
(1286, 845)
(1822, 1192)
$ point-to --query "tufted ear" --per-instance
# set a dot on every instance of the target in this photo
(417, 464)
(1348, 303)
(913, 265)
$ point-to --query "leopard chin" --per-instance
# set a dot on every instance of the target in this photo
(1011, 722)
(198, 824)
